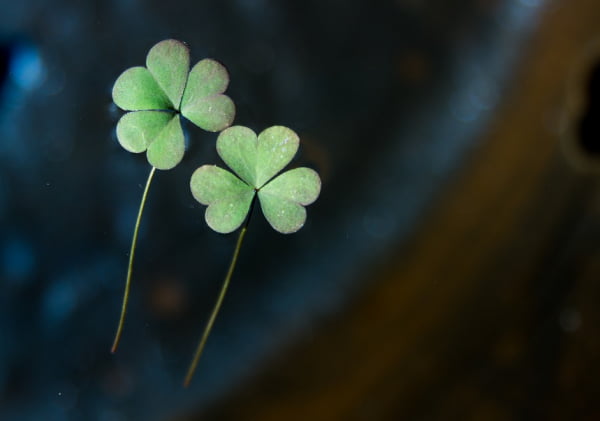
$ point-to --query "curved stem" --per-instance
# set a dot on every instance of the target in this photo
(213, 315)
(130, 267)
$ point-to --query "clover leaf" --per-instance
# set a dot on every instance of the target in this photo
(155, 97)
(157, 94)
(256, 160)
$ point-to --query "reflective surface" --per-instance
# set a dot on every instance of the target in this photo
(388, 100)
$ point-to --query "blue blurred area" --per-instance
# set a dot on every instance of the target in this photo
(387, 97)
(25, 67)
(17, 260)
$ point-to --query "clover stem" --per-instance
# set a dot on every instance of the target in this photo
(130, 267)
(215, 311)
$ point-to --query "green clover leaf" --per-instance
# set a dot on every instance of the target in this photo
(256, 160)
(157, 94)
(203, 101)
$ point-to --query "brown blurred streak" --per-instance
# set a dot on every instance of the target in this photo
(443, 330)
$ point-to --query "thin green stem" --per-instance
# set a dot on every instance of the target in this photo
(215, 311)
(130, 267)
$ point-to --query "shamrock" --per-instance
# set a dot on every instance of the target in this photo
(256, 160)
(157, 94)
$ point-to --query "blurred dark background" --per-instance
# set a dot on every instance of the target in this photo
(448, 271)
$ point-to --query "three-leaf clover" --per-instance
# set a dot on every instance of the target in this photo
(256, 160)
(157, 94)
